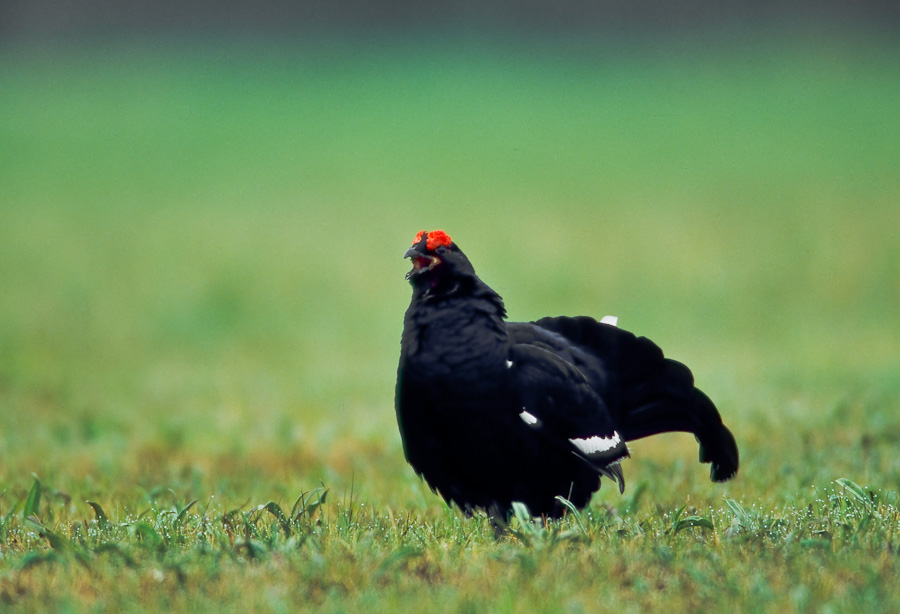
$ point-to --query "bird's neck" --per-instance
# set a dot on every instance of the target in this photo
(456, 332)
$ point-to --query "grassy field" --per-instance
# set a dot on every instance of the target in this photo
(201, 295)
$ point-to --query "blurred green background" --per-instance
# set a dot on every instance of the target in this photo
(201, 237)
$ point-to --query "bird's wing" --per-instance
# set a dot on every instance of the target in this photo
(556, 400)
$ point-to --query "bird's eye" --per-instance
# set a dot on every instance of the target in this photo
(442, 249)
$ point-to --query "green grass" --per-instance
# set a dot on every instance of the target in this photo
(201, 293)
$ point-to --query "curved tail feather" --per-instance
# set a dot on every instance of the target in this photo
(655, 394)
(700, 417)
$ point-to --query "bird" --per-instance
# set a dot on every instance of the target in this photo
(493, 413)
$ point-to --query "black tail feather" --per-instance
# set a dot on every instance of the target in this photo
(722, 453)
(691, 411)
(655, 394)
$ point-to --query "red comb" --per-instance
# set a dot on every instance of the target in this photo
(436, 238)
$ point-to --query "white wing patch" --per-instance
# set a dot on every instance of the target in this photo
(592, 445)
(611, 320)
(527, 418)
(509, 364)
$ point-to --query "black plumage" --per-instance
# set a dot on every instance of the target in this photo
(492, 412)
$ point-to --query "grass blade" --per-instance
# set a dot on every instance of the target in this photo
(147, 534)
(276, 511)
(33, 501)
(856, 490)
(102, 519)
(312, 507)
(739, 512)
(184, 511)
(574, 511)
(634, 500)
(693, 521)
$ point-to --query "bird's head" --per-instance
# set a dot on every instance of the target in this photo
(437, 262)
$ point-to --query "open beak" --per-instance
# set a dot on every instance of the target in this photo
(421, 262)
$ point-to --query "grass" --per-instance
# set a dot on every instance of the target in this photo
(202, 294)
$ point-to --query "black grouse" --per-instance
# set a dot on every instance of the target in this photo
(492, 412)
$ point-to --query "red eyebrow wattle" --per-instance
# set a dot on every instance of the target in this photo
(437, 238)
